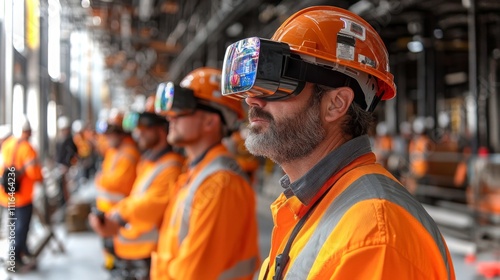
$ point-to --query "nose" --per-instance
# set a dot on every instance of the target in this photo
(255, 102)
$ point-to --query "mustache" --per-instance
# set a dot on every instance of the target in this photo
(256, 112)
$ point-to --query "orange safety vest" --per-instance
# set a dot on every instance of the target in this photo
(363, 224)
(211, 231)
(143, 209)
(117, 174)
(26, 163)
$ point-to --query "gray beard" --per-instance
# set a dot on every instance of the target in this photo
(289, 139)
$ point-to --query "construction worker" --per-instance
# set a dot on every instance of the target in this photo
(66, 150)
(418, 149)
(118, 172)
(210, 231)
(311, 89)
(135, 221)
(82, 136)
(66, 156)
(382, 146)
(20, 171)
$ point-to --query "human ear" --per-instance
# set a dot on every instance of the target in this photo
(210, 119)
(338, 102)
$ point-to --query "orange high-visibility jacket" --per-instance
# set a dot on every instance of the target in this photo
(211, 232)
(366, 226)
(143, 209)
(117, 174)
(25, 162)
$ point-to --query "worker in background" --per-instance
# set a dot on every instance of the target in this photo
(99, 140)
(135, 221)
(398, 162)
(210, 231)
(418, 150)
(20, 163)
(90, 135)
(117, 175)
(66, 150)
(66, 155)
(341, 215)
(382, 147)
(85, 148)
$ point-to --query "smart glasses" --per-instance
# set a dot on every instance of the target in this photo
(130, 121)
(256, 67)
(174, 101)
(101, 126)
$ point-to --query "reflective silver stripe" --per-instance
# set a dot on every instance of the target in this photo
(366, 187)
(146, 182)
(218, 164)
(241, 269)
(149, 236)
(22, 170)
(128, 156)
(29, 163)
(115, 161)
(110, 196)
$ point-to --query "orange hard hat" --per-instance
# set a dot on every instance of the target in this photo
(205, 83)
(342, 40)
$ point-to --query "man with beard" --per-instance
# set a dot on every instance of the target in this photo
(311, 89)
(135, 221)
(211, 231)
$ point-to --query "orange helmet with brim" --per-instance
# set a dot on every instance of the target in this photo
(330, 41)
(200, 89)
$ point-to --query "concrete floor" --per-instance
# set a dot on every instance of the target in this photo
(83, 259)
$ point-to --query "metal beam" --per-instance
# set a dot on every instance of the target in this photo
(212, 29)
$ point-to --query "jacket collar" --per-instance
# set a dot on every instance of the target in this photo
(306, 187)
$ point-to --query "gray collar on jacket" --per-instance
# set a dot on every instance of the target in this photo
(306, 187)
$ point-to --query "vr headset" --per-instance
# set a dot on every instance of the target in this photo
(266, 69)
(175, 101)
(172, 100)
(133, 120)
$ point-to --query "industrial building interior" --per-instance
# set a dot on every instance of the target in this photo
(444, 54)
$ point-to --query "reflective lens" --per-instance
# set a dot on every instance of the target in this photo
(240, 67)
(254, 67)
(101, 126)
(173, 100)
(164, 97)
(130, 121)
